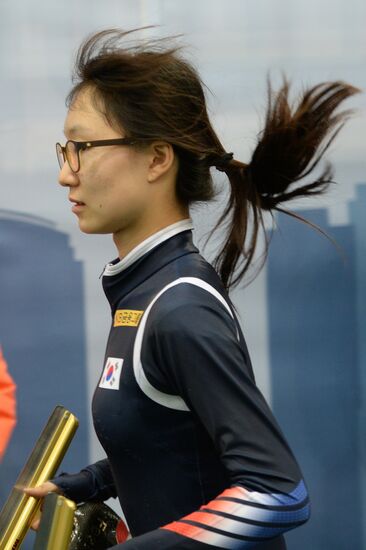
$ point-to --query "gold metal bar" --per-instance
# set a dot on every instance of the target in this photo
(42, 464)
(56, 525)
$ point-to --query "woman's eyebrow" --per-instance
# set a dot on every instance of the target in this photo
(76, 130)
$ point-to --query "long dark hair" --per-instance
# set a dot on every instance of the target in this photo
(150, 92)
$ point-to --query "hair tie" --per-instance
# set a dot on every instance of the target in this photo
(222, 161)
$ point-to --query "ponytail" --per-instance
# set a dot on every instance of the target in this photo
(291, 146)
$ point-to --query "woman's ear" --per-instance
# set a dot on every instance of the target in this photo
(162, 160)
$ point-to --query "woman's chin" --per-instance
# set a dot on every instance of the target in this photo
(93, 229)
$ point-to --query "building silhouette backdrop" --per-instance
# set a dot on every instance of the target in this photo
(316, 303)
(42, 332)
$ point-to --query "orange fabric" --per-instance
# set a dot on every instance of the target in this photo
(7, 405)
(191, 531)
(206, 518)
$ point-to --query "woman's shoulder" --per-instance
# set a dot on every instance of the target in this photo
(191, 300)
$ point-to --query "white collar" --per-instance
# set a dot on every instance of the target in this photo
(147, 245)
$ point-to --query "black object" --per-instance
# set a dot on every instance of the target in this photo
(95, 526)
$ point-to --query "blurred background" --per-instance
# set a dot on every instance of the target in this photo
(304, 316)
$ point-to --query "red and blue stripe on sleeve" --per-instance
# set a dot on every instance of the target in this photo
(238, 519)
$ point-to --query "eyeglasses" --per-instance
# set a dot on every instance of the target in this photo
(71, 151)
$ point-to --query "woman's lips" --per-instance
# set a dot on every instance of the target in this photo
(77, 206)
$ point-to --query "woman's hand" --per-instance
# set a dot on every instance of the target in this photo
(40, 492)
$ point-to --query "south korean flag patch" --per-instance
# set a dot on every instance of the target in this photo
(111, 374)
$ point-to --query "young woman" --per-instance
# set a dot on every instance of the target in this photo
(193, 451)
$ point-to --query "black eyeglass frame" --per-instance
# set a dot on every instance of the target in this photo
(61, 150)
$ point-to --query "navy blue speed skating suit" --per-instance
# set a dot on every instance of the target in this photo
(194, 454)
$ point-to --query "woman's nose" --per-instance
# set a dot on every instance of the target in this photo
(67, 177)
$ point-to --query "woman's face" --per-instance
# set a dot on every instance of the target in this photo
(111, 192)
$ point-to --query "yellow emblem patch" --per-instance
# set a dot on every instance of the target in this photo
(127, 318)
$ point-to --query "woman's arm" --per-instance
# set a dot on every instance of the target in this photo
(95, 482)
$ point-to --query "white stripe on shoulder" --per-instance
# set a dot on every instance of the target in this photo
(171, 401)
